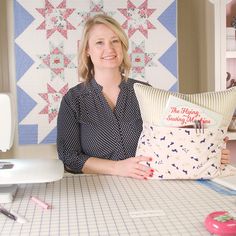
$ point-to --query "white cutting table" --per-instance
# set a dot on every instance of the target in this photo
(106, 205)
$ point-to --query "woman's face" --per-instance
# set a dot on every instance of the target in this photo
(104, 48)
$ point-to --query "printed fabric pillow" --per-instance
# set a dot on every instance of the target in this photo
(183, 153)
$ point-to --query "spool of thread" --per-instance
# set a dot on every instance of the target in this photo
(40, 203)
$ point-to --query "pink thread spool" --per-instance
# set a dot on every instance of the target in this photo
(217, 223)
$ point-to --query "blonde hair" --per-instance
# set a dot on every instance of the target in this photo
(85, 65)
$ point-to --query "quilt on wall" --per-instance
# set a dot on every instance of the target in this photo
(47, 34)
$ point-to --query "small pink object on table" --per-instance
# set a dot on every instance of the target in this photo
(221, 223)
(39, 202)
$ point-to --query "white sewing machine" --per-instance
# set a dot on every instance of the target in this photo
(19, 171)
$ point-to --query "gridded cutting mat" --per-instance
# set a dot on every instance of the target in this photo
(106, 205)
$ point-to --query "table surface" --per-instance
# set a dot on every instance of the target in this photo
(108, 205)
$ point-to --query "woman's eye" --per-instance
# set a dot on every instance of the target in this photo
(115, 41)
(99, 42)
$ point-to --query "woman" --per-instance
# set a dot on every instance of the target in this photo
(99, 121)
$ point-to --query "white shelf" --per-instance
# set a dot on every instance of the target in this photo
(230, 54)
(231, 135)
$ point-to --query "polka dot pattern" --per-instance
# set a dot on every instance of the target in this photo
(87, 127)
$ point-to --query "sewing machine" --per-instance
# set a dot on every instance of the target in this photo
(18, 171)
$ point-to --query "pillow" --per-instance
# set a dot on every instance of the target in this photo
(181, 153)
(152, 102)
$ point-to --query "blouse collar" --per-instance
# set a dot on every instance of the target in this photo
(93, 83)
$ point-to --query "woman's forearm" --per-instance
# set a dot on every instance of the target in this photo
(99, 166)
(133, 167)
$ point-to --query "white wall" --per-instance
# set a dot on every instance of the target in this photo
(196, 38)
(188, 46)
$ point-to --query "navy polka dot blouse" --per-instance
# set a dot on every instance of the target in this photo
(87, 126)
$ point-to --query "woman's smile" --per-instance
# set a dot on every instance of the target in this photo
(109, 57)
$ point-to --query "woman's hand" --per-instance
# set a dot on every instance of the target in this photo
(225, 154)
(132, 167)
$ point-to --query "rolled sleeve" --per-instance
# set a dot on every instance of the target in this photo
(68, 138)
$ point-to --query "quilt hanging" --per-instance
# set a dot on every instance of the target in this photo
(47, 35)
